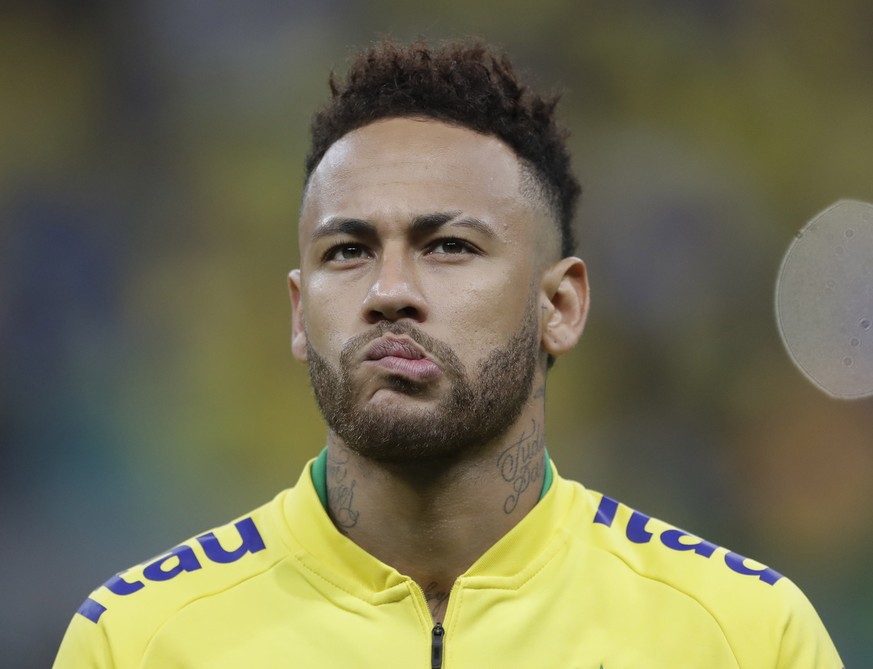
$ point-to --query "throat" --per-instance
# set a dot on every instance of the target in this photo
(432, 524)
(318, 473)
(436, 596)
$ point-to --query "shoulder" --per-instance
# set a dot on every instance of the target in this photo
(759, 611)
(648, 545)
(679, 577)
(127, 610)
(206, 564)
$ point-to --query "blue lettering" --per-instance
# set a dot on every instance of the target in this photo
(673, 539)
(251, 543)
(636, 528)
(185, 561)
(606, 511)
(118, 586)
(91, 610)
(737, 562)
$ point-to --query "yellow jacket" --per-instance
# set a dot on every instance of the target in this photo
(581, 582)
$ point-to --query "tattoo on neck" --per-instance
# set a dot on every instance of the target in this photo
(521, 463)
(341, 490)
(436, 599)
(539, 392)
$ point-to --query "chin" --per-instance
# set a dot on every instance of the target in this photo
(397, 434)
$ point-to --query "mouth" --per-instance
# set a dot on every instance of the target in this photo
(402, 357)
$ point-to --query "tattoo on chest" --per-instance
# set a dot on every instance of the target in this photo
(436, 599)
(341, 490)
(520, 463)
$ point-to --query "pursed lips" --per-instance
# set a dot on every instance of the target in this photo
(402, 357)
(398, 348)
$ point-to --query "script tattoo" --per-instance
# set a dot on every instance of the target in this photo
(436, 599)
(341, 490)
(520, 464)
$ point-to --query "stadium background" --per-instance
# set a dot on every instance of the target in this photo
(150, 170)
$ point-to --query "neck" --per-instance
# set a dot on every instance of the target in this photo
(432, 520)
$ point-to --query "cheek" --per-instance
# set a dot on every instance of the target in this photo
(482, 316)
(328, 315)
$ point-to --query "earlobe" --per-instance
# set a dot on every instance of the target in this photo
(566, 308)
(298, 331)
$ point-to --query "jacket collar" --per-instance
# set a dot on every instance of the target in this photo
(329, 555)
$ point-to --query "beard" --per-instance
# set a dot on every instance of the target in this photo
(475, 411)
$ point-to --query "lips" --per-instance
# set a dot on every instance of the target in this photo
(397, 348)
(402, 357)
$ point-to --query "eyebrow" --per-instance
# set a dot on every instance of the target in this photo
(427, 223)
(421, 225)
(344, 226)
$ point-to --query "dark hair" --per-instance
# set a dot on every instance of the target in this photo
(465, 83)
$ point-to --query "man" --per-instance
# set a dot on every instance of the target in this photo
(437, 284)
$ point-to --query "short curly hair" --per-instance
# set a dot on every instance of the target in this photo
(462, 82)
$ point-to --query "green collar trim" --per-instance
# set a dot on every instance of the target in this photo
(319, 475)
(547, 476)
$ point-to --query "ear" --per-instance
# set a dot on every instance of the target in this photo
(298, 332)
(565, 305)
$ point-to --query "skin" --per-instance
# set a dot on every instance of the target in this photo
(468, 286)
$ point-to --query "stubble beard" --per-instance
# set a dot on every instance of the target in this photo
(474, 412)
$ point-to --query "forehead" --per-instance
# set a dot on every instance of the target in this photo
(405, 167)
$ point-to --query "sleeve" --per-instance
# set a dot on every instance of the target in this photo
(84, 646)
(806, 643)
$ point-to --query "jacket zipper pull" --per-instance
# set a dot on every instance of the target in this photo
(436, 649)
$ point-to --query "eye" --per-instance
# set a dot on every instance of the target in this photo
(451, 246)
(342, 252)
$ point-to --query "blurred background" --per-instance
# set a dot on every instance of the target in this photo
(150, 172)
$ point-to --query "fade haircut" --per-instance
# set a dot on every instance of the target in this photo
(465, 83)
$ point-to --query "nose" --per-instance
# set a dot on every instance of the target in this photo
(395, 293)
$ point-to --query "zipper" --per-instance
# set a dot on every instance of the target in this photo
(436, 648)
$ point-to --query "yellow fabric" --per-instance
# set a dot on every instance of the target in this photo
(559, 590)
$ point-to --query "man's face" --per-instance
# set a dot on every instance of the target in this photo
(417, 301)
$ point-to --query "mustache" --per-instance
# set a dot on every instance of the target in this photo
(432, 346)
